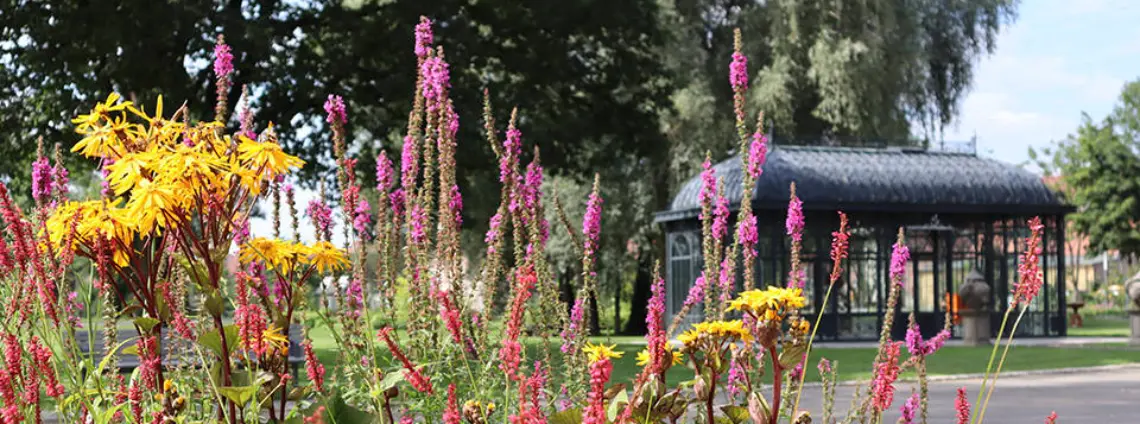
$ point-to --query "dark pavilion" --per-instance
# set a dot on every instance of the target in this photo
(962, 215)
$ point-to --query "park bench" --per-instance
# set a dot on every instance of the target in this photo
(174, 351)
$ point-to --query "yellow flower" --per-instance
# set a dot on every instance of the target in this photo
(149, 204)
(324, 256)
(266, 159)
(277, 253)
(689, 337)
(643, 356)
(600, 351)
(273, 337)
(769, 304)
(730, 330)
(128, 170)
(104, 134)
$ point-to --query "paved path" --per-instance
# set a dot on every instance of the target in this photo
(1024, 341)
(1103, 396)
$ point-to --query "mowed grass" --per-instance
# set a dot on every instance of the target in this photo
(852, 363)
(1102, 326)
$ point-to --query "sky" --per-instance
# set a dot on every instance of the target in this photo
(1058, 59)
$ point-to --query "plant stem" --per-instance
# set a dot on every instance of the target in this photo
(807, 353)
(990, 364)
(1005, 351)
(777, 382)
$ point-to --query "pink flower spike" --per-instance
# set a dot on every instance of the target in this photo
(223, 60)
(335, 109)
(899, 257)
(423, 37)
(738, 72)
(962, 406)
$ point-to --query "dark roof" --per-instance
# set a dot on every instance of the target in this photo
(886, 179)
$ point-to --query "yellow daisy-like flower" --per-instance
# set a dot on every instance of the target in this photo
(689, 337)
(266, 158)
(730, 330)
(769, 304)
(277, 253)
(597, 352)
(643, 356)
(325, 256)
(149, 204)
(128, 170)
(273, 337)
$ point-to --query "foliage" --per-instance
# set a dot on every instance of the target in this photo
(176, 198)
(1095, 167)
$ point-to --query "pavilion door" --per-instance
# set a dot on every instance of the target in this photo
(926, 282)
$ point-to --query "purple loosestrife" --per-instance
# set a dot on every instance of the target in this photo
(1029, 267)
(592, 223)
(512, 148)
(321, 215)
(697, 291)
(223, 59)
(738, 71)
(436, 81)
(748, 234)
(795, 221)
(418, 228)
(899, 257)
(423, 37)
(362, 218)
(384, 173)
(335, 110)
(456, 205)
(909, 409)
(708, 189)
(570, 334)
(655, 336)
(757, 154)
(493, 232)
(720, 217)
(886, 372)
(41, 180)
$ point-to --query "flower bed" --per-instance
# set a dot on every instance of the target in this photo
(178, 195)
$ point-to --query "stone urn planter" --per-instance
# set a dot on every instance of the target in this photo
(974, 296)
(1132, 289)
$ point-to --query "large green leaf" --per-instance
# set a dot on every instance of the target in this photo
(240, 395)
(213, 341)
(145, 324)
(390, 380)
(792, 355)
(737, 414)
(569, 416)
(619, 402)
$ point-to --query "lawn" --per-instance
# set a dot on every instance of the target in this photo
(853, 363)
(1102, 326)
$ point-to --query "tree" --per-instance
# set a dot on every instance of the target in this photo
(1098, 167)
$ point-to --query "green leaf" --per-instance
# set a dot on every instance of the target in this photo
(213, 341)
(146, 324)
(619, 402)
(792, 355)
(569, 416)
(737, 414)
(390, 380)
(108, 355)
(239, 395)
(214, 304)
(131, 350)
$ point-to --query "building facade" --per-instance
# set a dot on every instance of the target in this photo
(960, 214)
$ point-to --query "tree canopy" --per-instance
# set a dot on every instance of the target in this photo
(1098, 166)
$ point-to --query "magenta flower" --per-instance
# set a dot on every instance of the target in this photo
(223, 60)
(735, 378)
(408, 163)
(334, 107)
(512, 147)
(362, 217)
(456, 205)
(708, 188)
(962, 406)
(720, 217)
(886, 372)
(436, 80)
(396, 199)
(321, 215)
(419, 219)
(451, 413)
(655, 337)
(595, 411)
(423, 37)
(1029, 267)
(493, 232)
(795, 222)
(592, 223)
(697, 291)
(384, 173)
(909, 409)
(757, 154)
(824, 366)
(59, 180)
(726, 280)
(41, 180)
(571, 331)
(748, 234)
(899, 257)
(738, 72)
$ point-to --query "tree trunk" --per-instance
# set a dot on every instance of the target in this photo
(642, 290)
(595, 328)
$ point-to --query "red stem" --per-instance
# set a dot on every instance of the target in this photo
(777, 382)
